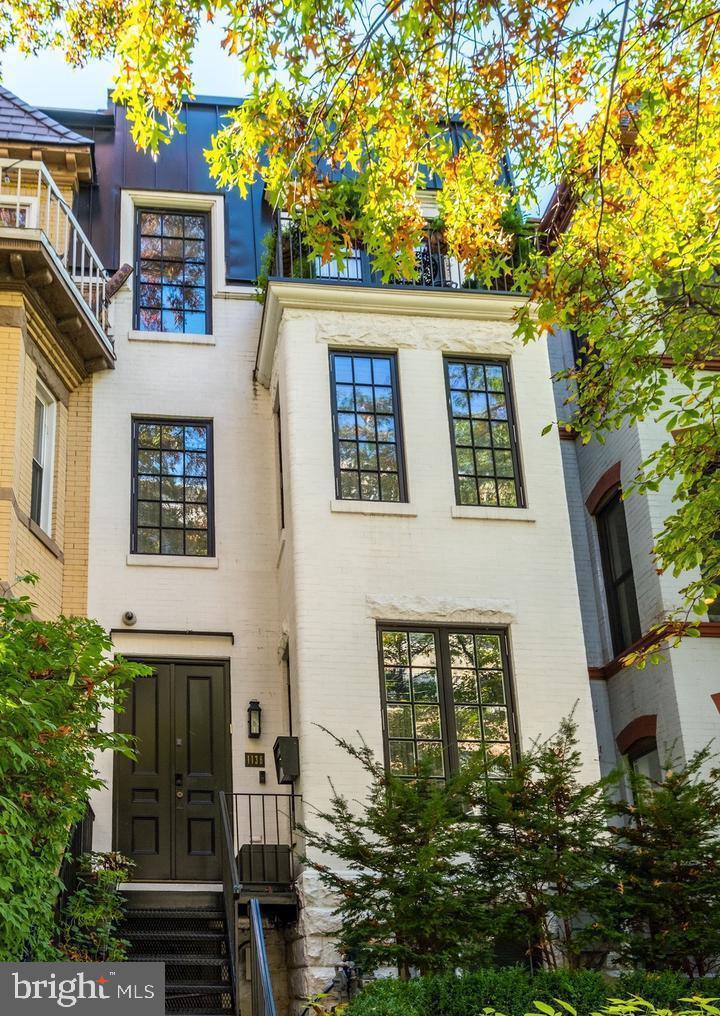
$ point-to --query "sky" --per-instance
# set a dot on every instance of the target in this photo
(46, 80)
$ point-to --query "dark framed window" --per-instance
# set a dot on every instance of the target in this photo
(367, 434)
(482, 433)
(172, 272)
(446, 694)
(644, 759)
(618, 573)
(172, 487)
(579, 348)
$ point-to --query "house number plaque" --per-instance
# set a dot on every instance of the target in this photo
(254, 759)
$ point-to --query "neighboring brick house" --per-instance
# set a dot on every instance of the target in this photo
(53, 336)
(668, 710)
(335, 509)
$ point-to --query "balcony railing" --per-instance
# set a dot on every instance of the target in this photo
(435, 268)
(30, 200)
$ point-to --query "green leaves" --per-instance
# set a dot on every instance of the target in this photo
(58, 680)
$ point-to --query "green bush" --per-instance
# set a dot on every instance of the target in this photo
(92, 915)
(513, 991)
(58, 679)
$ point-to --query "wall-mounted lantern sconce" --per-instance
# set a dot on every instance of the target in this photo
(254, 724)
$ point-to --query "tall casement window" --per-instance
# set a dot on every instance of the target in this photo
(482, 433)
(172, 272)
(618, 573)
(172, 492)
(43, 458)
(366, 427)
(446, 695)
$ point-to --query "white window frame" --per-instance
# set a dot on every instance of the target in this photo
(29, 203)
(48, 452)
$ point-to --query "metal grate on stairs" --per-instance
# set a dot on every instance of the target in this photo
(193, 945)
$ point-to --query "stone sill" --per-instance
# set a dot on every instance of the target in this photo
(373, 508)
(170, 561)
(472, 511)
(179, 338)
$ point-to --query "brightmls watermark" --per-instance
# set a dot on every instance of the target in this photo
(38, 989)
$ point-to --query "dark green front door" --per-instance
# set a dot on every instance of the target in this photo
(167, 815)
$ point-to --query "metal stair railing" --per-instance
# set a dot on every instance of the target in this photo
(263, 1000)
(231, 887)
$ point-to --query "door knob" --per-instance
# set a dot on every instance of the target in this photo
(179, 793)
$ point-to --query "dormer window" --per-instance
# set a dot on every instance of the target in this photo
(173, 272)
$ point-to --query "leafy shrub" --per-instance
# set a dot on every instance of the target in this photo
(694, 1006)
(92, 915)
(57, 681)
(513, 991)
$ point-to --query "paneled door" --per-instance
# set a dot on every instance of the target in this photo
(167, 815)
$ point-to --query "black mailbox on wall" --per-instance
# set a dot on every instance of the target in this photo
(287, 759)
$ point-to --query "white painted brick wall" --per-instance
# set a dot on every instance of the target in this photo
(241, 595)
(332, 561)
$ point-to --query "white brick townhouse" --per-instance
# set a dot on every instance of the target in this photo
(335, 508)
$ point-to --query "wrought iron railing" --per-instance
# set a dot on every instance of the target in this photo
(231, 888)
(30, 199)
(259, 837)
(434, 267)
(263, 1000)
(263, 838)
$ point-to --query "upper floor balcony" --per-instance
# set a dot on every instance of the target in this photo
(43, 248)
(435, 268)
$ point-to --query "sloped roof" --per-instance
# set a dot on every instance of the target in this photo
(20, 122)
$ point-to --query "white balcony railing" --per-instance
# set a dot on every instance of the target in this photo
(31, 200)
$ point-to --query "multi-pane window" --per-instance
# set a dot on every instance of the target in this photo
(42, 459)
(366, 425)
(172, 487)
(446, 696)
(172, 272)
(618, 574)
(482, 433)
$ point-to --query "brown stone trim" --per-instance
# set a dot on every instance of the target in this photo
(46, 540)
(606, 485)
(708, 629)
(8, 494)
(654, 639)
(711, 363)
(640, 729)
(716, 700)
